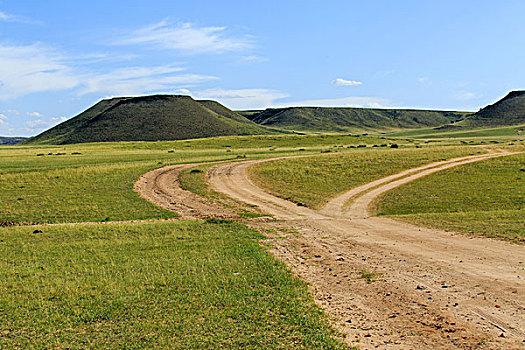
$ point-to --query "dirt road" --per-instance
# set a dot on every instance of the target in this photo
(392, 285)
(385, 284)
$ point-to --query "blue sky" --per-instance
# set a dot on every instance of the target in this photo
(58, 58)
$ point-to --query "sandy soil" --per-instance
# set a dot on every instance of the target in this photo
(385, 284)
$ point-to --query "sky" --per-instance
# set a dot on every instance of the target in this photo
(58, 58)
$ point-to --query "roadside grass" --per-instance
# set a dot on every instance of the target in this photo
(94, 182)
(484, 198)
(314, 180)
(152, 285)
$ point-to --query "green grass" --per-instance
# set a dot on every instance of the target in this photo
(96, 193)
(176, 285)
(505, 133)
(94, 182)
(314, 180)
(485, 198)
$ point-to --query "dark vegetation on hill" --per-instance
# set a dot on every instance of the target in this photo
(150, 118)
(351, 119)
(510, 110)
(5, 140)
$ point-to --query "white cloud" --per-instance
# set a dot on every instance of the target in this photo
(343, 82)
(3, 117)
(186, 38)
(36, 68)
(33, 114)
(242, 98)
(44, 123)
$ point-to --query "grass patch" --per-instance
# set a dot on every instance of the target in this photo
(101, 193)
(314, 180)
(194, 180)
(155, 285)
(483, 198)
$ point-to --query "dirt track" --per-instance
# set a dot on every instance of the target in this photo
(389, 284)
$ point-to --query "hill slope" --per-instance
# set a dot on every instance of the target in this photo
(351, 119)
(149, 118)
(510, 110)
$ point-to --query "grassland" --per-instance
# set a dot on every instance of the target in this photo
(480, 135)
(485, 198)
(146, 286)
(94, 182)
(314, 180)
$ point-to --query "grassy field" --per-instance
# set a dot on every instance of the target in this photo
(145, 286)
(500, 134)
(81, 182)
(314, 180)
(485, 198)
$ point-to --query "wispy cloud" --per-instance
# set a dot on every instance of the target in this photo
(267, 98)
(44, 123)
(33, 68)
(3, 118)
(36, 68)
(33, 114)
(6, 17)
(241, 98)
(343, 82)
(359, 102)
(186, 38)
(140, 80)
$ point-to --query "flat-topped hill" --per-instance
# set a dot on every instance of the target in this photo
(149, 118)
(351, 119)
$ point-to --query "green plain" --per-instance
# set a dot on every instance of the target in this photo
(176, 285)
(315, 180)
(485, 198)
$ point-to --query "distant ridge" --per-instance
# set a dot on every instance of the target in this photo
(149, 118)
(334, 119)
(510, 110)
(9, 140)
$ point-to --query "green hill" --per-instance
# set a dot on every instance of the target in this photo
(351, 119)
(510, 110)
(149, 118)
(5, 140)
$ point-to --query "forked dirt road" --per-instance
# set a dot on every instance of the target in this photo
(392, 285)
